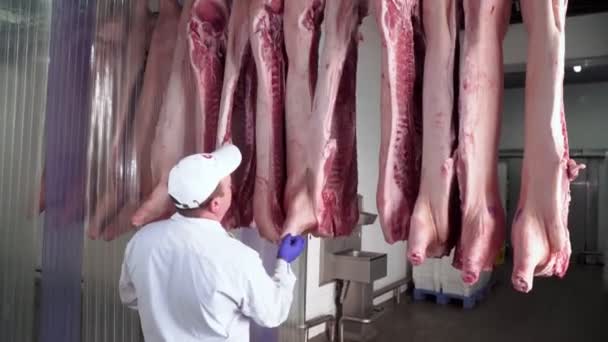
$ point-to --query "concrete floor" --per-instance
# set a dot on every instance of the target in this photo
(572, 309)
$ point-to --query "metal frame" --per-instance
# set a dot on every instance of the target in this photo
(395, 287)
(329, 320)
(378, 312)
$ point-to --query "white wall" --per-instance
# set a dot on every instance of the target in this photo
(319, 300)
(582, 39)
(586, 107)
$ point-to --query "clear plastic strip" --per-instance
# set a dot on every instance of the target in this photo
(23, 56)
(117, 64)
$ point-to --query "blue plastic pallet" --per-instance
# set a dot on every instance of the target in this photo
(468, 302)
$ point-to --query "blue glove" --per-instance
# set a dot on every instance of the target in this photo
(291, 247)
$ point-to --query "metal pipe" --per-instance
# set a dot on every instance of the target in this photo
(344, 291)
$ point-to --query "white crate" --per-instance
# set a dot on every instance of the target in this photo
(426, 276)
(451, 282)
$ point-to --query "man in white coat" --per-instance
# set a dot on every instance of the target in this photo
(188, 278)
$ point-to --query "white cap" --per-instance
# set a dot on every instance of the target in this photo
(195, 177)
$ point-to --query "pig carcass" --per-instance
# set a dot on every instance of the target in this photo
(332, 141)
(207, 37)
(236, 123)
(175, 132)
(481, 89)
(540, 238)
(149, 102)
(302, 21)
(401, 114)
(266, 37)
(147, 110)
(434, 228)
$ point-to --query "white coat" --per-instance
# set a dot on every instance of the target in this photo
(191, 281)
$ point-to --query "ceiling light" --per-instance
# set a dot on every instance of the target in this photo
(577, 68)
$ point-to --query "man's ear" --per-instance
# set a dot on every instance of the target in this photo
(214, 206)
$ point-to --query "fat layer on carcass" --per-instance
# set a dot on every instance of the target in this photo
(147, 110)
(266, 37)
(207, 35)
(401, 114)
(481, 90)
(236, 123)
(175, 134)
(332, 148)
(540, 237)
(434, 228)
(301, 23)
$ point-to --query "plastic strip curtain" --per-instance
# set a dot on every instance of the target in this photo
(67, 113)
(24, 38)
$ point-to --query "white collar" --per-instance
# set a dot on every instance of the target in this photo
(210, 224)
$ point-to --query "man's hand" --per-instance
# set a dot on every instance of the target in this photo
(291, 247)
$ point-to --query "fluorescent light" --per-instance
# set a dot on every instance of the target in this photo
(577, 68)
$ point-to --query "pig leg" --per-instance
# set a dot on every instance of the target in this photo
(400, 144)
(540, 238)
(267, 44)
(174, 137)
(481, 86)
(236, 121)
(430, 229)
(302, 33)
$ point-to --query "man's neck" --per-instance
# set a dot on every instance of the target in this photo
(205, 214)
(209, 216)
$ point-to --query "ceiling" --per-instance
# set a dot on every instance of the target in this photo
(575, 7)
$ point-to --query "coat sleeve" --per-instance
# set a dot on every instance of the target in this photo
(266, 299)
(126, 289)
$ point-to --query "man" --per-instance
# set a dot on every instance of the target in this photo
(191, 281)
